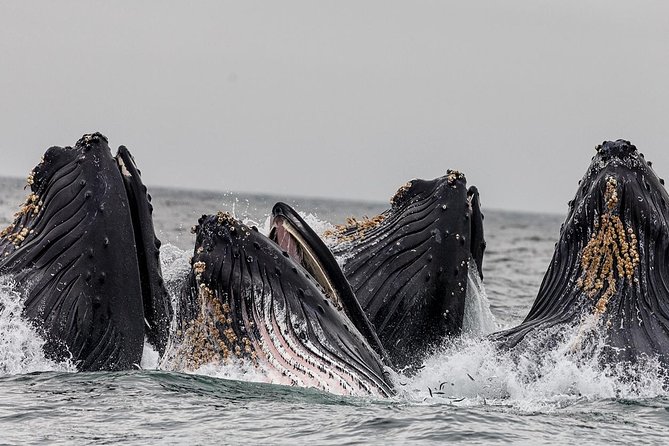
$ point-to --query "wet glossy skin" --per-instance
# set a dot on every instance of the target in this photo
(73, 248)
(609, 276)
(408, 266)
(304, 246)
(247, 300)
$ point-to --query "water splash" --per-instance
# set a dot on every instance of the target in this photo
(472, 371)
(235, 370)
(478, 319)
(21, 346)
(150, 357)
(542, 375)
(319, 226)
(175, 264)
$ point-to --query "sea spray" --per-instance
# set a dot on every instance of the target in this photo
(478, 319)
(540, 376)
(150, 357)
(21, 346)
(471, 370)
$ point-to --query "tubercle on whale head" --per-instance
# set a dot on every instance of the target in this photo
(417, 188)
(57, 157)
(54, 159)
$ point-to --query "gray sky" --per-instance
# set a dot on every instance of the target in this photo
(340, 99)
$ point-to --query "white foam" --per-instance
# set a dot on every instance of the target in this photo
(175, 264)
(150, 357)
(478, 319)
(237, 370)
(473, 371)
(319, 226)
(531, 378)
(21, 347)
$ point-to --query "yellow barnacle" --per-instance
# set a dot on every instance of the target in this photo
(610, 250)
(354, 229)
(199, 267)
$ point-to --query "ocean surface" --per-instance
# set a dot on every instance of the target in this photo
(467, 392)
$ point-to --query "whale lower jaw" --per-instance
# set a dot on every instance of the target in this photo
(245, 301)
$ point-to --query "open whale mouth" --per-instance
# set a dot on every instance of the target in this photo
(246, 299)
(292, 234)
(609, 271)
(85, 242)
(407, 267)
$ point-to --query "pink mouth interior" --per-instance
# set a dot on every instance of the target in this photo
(285, 240)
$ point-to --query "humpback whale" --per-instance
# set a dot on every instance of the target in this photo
(305, 247)
(84, 250)
(609, 276)
(408, 266)
(245, 299)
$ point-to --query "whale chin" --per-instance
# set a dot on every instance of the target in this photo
(609, 276)
(84, 249)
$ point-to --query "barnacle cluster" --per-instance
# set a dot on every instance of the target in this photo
(354, 229)
(16, 237)
(210, 337)
(225, 218)
(17, 232)
(400, 194)
(453, 175)
(31, 206)
(199, 268)
(611, 253)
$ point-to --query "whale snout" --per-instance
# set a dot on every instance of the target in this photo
(619, 149)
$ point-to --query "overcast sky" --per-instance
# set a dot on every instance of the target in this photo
(342, 98)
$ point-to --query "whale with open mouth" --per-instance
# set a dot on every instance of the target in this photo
(84, 250)
(407, 267)
(245, 299)
(305, 247)
(609, 276)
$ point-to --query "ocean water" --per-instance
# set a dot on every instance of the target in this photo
(467, 391)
